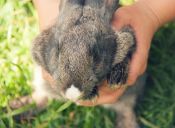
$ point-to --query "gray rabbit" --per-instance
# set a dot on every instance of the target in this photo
(80, 51)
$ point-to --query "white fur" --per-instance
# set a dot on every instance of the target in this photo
(72, 93)
(41, 93)
(38, 82)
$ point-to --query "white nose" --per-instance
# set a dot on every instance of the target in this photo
(72, 93)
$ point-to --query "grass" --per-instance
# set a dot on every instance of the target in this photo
(18, 26)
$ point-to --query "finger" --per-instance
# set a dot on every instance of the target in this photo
(106, 96)
(137, 67)
(46, 76)
(106, 99)
(117, 24)
(117, 21)
(143, 69)
(112, 97)
(86, 103)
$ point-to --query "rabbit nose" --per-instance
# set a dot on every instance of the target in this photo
(72, 93)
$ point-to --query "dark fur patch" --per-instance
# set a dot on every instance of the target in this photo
(119, 73)
(91, 94)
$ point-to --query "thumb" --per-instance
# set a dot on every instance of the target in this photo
(117, 21)
(117, 24)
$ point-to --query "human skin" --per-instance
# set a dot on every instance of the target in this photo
(144, 16)
(47, 12)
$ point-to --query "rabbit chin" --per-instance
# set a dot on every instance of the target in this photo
(72, 93)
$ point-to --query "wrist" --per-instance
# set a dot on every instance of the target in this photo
(162, 11)
(151, 16)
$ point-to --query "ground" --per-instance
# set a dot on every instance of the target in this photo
(19, 25)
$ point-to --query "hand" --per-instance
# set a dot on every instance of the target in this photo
(144, 23)
(106, 95)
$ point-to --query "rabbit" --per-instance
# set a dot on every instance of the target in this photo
(80, 51)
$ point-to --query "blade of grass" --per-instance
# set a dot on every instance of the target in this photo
(19, 111)
(2, 124)
(64, 106)
(147, 123)
(60, 109)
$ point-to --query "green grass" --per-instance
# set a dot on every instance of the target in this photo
(18, 26)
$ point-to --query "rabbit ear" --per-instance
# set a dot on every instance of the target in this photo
(126, 44)
(45, 48)
(125, 47)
